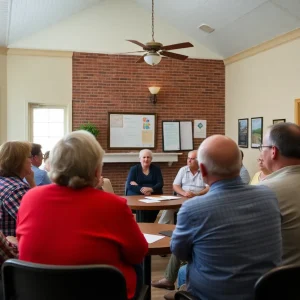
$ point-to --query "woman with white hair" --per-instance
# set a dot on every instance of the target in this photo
(71, 222)
(145, 179)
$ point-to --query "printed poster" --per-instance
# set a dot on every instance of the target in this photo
(199, 129)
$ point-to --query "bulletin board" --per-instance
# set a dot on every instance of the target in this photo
(131, 130)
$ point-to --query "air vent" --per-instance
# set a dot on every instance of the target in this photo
(206, 28)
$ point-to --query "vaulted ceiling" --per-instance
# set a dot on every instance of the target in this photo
(238, 24)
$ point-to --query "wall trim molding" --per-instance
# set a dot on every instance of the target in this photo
(279, 40)
(31, 52)
(3, 50)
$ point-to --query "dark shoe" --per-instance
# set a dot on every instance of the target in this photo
(163, 284)
(170, 296)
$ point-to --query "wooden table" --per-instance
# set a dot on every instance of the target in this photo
(134, 203)
(160, 247)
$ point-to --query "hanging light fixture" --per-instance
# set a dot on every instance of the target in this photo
(152, 58)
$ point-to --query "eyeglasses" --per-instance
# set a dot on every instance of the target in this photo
(263, 146)
(191, 158)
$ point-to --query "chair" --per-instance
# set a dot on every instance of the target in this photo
(107, 187)
(183, 295)
(30, 281)
(279, 283)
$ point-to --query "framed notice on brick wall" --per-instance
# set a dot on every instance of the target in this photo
(131, 130)
(171, 135)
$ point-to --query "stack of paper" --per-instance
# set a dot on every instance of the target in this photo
(148, 201)
(163, 198)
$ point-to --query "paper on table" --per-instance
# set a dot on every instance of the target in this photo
(151, 238)
(163, 198)
(149, 201)
(170, 197)
(154, 198)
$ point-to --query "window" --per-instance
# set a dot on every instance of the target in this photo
(47, 124)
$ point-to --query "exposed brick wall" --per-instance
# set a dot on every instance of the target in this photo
(194, 89)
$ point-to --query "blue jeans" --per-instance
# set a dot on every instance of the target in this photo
(182, 276)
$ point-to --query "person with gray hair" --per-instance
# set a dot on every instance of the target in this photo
(229, 236)
(280, 152)
(71, 222)
(145, 179)
(187, 183)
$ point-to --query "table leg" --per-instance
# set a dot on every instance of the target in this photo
(146, 216)
(139, 216)
(147, 275)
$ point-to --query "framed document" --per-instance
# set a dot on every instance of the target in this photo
(243, 133)
(171, 135)
(186, 135)
(276, 121)
(131, 130)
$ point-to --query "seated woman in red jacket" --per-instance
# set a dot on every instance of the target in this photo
(71, 222)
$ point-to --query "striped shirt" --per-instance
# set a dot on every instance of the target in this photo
(230, 237)
(12, 189)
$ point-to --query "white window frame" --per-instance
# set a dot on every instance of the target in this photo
(31, 107)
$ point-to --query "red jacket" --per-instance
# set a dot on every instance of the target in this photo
(62, 226)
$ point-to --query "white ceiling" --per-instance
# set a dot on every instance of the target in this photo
(239, 24)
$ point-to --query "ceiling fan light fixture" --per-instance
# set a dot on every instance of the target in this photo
(152, 59)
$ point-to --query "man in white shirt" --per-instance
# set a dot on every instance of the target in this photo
(188, 183)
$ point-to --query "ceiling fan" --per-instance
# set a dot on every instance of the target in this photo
(155, 51)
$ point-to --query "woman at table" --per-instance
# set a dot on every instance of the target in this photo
(71, 222)
(260, 175)
(145, 179)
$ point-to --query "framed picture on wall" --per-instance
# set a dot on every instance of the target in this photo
(243, 133)
(278, 121)
(256, 132)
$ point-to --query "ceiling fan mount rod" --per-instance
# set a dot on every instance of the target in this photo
(153, 21)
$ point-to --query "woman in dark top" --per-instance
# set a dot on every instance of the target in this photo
(145, 179)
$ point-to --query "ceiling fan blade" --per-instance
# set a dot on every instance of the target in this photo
(137, 43)
(177, 46)
(141, 59)
(129, 52)
(173, 55)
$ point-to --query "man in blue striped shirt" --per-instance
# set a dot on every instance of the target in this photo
(230, 236)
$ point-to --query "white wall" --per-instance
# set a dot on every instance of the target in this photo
(3, 100)
(35, 79)
(265, 85)
(104, 29)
